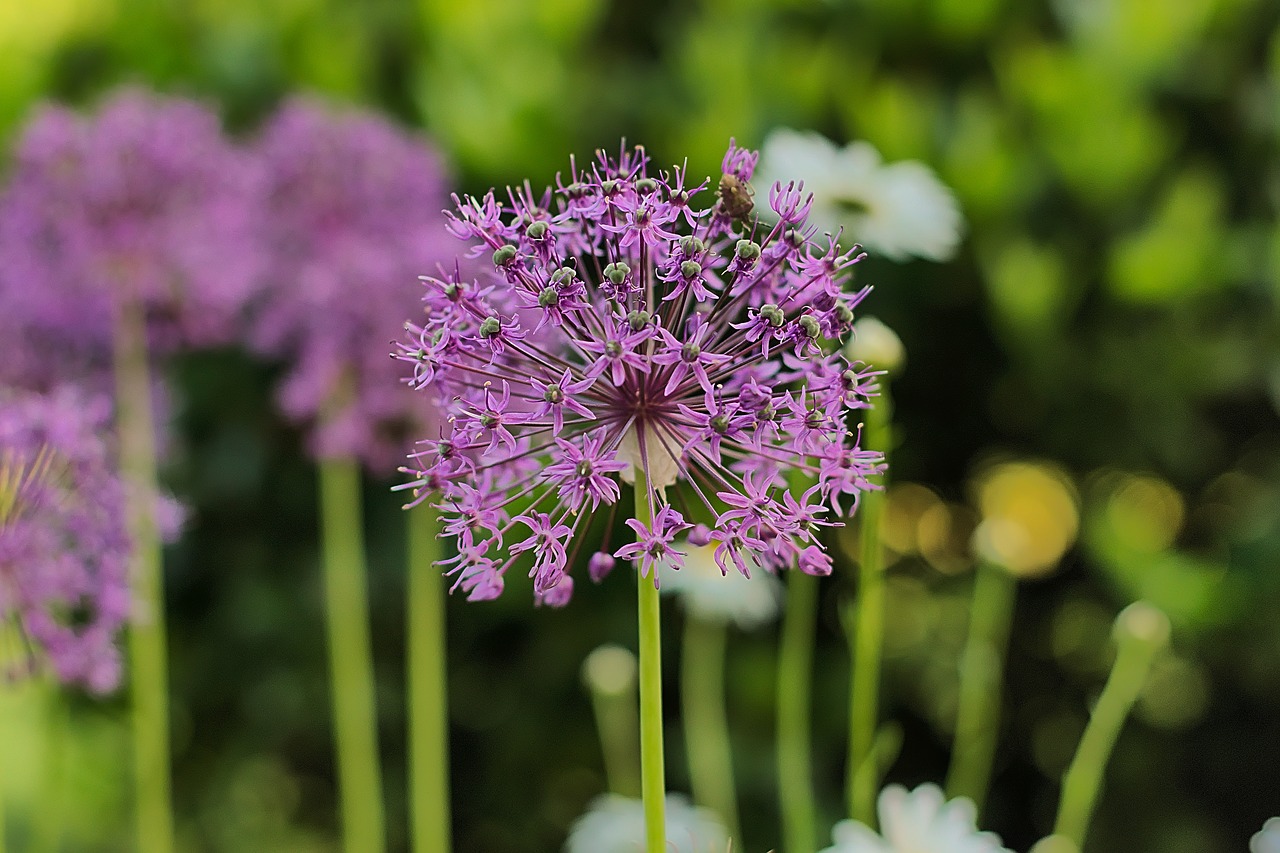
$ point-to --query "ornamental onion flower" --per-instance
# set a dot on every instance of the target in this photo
(921, 819)
(64, 551)
(143, 201)
(353, 214)
(631, 335)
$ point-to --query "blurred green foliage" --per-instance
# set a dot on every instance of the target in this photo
(1114, 309)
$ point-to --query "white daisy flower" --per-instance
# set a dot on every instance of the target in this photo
(714, 596)
(919, 821)
(895, 210)
(615, 824)
(1267, 839)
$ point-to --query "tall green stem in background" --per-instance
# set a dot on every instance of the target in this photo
(1141, 631)
(428, 697)
(149, 688)
(46, 823)
(652, 762)
(610, 674)
(862, 779)
(706, 726)
(350, 657)
(981, 681)
(795, 666)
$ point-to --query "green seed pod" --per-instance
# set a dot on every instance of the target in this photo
(504, 256)
(690, 269)
(773, 314)
(490, 327)
(691, 245)
(617, 273)
(536, 230)
(747, 250)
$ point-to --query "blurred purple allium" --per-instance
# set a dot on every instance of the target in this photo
(64, 550)
(354, 215)
(145, 200)
(627, 330)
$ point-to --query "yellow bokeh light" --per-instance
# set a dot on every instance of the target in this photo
(1029, 517)
(1146, 513)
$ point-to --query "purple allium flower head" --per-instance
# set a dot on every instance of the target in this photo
(353, 216)
(627, 330)
(64, 550)
(144, 200)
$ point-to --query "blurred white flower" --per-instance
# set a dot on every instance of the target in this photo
(615, 824)
(919, 821)
(895, 210)
(713, 596)
(1267, 839)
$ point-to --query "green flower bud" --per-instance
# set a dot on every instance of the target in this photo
(691, 245)
(773, 314)
(747, 250)
(617, 273)
(563, 276)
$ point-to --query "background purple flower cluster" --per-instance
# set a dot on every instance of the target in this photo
(64, 551)
(301, 242)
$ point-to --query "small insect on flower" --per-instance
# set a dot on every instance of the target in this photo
(736, 197)
(627, 336)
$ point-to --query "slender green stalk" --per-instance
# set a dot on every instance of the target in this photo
(4, 696)
(351, 657)
(427, 677)
(981, 679)
(706, 726)
(795, 665)
(147, 643)
(46, 829)
(610, 674)
(1141, 630)
(862, 779)
(652, 770)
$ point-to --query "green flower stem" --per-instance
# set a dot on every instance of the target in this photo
(610, 675)
(1083, 781)
(427, 677)
(981, 679)
(795, 665)
(147, 653)
(867, 638)
(46, 830)
(350, 657)
(706, 727)
(652, 771)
